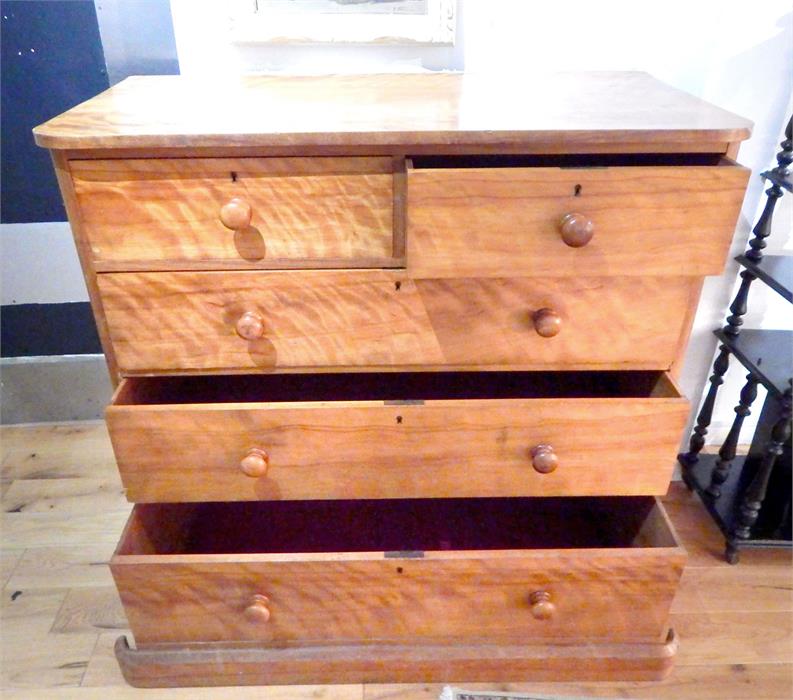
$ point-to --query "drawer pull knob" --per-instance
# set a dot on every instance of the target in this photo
(236, 214)
(257, 611)
(576, 229)
(541, 606)
(544, 459)
(547, 322)
(250, 326)
(255, 463)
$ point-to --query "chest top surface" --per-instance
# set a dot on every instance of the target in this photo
(555, 111)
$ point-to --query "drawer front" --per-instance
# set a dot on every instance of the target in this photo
(245, 212)
(210, 321)
(385, 449)
(614, 593)
(661, 220)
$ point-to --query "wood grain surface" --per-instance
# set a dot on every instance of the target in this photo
(186, 320)
(370, 449)
(218, 665)
(66, 186)
(606, 322)
(664, 220)
(567, 110)
(620, 593)
(306, 212)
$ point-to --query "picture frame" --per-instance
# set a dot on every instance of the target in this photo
(397, 22)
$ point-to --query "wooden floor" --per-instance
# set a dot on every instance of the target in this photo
(63, 511)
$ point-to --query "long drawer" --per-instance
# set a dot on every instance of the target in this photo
(367, 572)
(194, 213)
(601, 219)
(286, 320)
(423, 435)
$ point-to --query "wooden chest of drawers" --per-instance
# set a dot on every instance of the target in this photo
(395, 361)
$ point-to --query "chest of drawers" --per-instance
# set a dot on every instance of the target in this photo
(395, 364)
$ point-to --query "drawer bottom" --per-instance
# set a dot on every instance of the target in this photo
(220, 664)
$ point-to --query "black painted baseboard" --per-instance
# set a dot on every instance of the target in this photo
(48, 329)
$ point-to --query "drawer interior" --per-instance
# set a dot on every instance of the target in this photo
(400, 528)
(413, 387)
(568, 160)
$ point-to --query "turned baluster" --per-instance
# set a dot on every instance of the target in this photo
(738, 306)
(705, 416)
(727, 452)
(763, 228)
(755, 494)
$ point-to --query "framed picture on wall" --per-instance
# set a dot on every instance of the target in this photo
(343, 21)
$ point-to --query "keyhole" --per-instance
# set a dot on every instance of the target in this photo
(397, 285)
(233, 176)
(399, 419)
(577, 191)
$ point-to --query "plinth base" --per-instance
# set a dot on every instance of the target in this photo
(212, 664)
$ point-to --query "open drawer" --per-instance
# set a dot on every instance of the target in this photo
(334, 572)
(405, 435)
(572, 215)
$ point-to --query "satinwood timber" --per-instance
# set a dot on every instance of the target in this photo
(396, 361)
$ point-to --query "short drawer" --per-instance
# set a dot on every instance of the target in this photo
(334, 572)
(676, 218)
(287, 320)
(395, 435)
(183, 213)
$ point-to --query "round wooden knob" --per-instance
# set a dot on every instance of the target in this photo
(544, 459)
(541, 606)
(576, 229)
(236, 214)
(257, 610)
(250, 326)
(255, 463)
(547, 322)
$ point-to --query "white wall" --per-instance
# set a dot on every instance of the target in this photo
(738, 55)
(39, 264)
